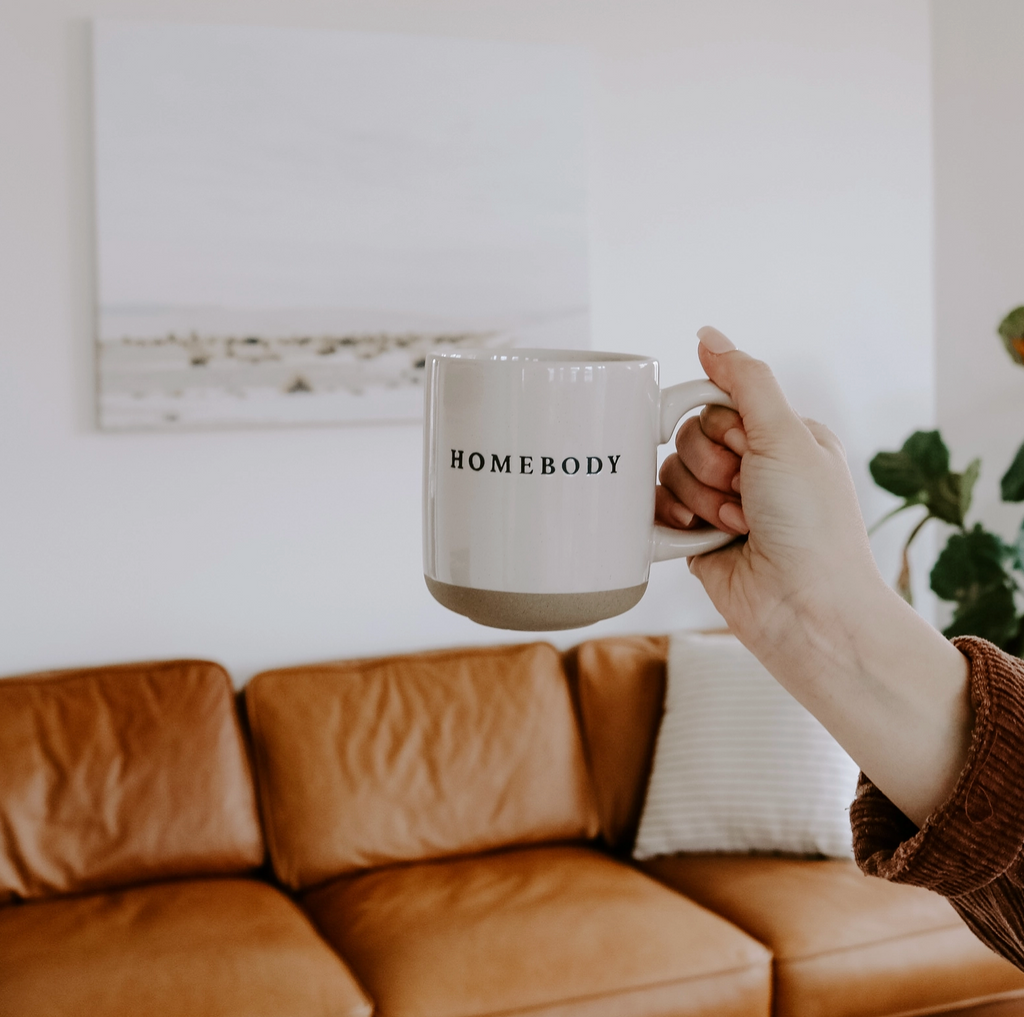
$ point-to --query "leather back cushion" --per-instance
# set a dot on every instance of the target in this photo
(398, 759)
(621, 682)
(118, 775)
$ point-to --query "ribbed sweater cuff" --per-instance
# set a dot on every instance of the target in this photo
(977, 834)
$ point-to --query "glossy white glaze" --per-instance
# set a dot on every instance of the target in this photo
(540, 466)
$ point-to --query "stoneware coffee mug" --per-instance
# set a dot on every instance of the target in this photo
(539, 469)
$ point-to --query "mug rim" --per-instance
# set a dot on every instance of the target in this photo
(527, 354)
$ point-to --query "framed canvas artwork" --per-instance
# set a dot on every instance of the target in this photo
(288, 220)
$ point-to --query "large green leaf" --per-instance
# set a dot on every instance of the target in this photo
(919, 473)
(1015, 644)
(928, 452)
(992, 615)
(924, 458)
(948, 495)
(897, 473)
(1018, 549)
(967, 481)
(945, 499)
(971, 563)
(972, 571)
(1011, 328)
(1012, 484)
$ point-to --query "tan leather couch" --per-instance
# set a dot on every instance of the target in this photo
(442, 834)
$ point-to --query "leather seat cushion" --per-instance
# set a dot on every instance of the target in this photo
(543, 931)
(117, 775)
(197, 948)
(1010, 1007)
(426, 755)
(845, 944)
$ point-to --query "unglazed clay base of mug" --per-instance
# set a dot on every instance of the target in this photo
(534, 612)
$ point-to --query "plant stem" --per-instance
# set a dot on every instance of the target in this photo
(893, 512)
(903, 587)
(914, 532)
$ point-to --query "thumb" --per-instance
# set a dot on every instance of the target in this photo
(751, 384)
(715, 569)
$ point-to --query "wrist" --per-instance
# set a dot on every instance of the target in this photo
(825, 626)
(890, 688)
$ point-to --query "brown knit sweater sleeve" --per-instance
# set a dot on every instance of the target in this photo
(970, 849)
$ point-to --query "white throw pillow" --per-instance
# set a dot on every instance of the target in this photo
(739, 764)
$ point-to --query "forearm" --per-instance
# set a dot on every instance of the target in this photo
(803, 593)
(889, 687)
(971, 849)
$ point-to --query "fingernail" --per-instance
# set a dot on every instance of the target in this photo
(736, 483)
(732, 516)
(682, 515)
(714, 341)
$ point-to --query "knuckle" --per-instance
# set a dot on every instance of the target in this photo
(825, 435)
(759, 368)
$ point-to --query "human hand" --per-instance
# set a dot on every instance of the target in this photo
(783, 481)
(802, 591)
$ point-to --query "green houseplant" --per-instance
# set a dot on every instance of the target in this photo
(977, 570)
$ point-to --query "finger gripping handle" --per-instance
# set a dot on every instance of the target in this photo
(676, 401)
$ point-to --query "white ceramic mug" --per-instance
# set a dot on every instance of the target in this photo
(539, 469)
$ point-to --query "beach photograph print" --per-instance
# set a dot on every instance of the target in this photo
(289, 220)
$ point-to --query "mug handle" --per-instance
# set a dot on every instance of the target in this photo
(676, 400)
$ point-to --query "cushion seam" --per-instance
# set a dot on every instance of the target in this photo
(941, 1008)
(781, 959)
(261, 763)
(539, 1007)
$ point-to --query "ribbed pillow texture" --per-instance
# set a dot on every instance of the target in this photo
(739, 764)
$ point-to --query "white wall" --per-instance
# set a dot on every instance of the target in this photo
(979, 238)
(762, 166)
